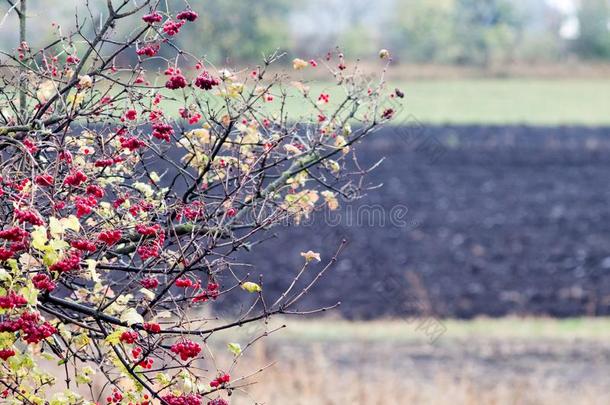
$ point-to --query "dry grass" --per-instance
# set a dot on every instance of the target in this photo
(507, 361)
(315, 380)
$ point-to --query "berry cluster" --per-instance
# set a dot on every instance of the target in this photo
(152, 18)
(104, 162)
(218, 401)
(205, 81)
(150, 283)
(210, 293)
(324, 98)
(44, 180)
(387, 113)
(43, 282)
(220, 380)
(6, 353)
(147, 363)
(116, 397)
(186, 349)
(75, 179)
(148, 50)
(192, 211)
(68, 263)
(193, 118)
(110, 237)
(84, 205)
(14, 234)
(32, 330)
(152, 327)
(136, 352)
(162, 131)
(12, 300)
(188, 15)
(28, 216)
(153, 248)
(184, 282)
(172, 28)
(5, 253)
(95, 191)
(148, 230)
(184, 399)
(129, 337)
(131, 114)
(131, 143)
(84, 245)
(176, 79)
(72, 59)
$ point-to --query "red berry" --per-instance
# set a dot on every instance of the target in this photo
(188, 15)
(152, 18)
(150, 283)
(129, 336)
(152, 327)
(186, 349)
(110, 237)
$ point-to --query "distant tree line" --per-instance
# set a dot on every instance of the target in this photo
(465, 32)
(469, 32)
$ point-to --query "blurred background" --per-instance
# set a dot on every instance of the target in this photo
(479, 272)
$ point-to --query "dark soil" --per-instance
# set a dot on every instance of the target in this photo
(501, 220)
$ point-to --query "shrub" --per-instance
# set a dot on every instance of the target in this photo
(125, 194)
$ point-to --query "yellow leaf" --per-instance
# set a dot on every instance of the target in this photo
(82, 340)
(251, 287)
(56, 228)
(91, 264)
(71, 223)
(310, 255)
(234, 348)
(12, 263)
(75, 98)
(147, 293)
(4, 276)
(341, 143)
(39, 238)
(330, 199)
(298, 64)
(115, 337)
(50, 258)
(6, 340)
(163, 379)
(46, 90)
(163, 314)
(30, 294)
(131, 317)
(292, 149)
(27, 262)
(58, 244)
